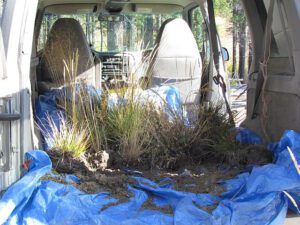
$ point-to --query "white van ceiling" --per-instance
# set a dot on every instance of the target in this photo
(66, 9)
(155, 5)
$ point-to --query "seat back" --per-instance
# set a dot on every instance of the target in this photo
(176, 60)
(67, 52)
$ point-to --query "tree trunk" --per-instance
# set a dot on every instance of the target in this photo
(101, 34)
(93, 31)
(47, 27)
(148, 35)
(128, 37)
(234, 41)
(157, 24)
(242, 49)
(87, 27)
(250, 53)
(111, 37)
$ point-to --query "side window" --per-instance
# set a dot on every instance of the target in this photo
(200, 31)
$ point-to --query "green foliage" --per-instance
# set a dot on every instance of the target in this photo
(229, 67)
(223, 8)
(230, 9)
(198, 28)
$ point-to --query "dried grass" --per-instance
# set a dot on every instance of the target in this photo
(67, 137)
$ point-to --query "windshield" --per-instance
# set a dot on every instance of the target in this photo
(134, 33)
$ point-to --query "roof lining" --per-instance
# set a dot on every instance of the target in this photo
(46, 3)
(74, 8)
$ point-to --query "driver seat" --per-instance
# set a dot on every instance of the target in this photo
(66, 53)
(176, 60)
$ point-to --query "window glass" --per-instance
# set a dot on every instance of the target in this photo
(200, 31)
(135, 32)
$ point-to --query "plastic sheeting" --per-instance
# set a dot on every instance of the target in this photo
(247, 136)
(261, 196)
(45, 109)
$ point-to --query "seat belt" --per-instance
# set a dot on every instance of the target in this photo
(262, 75)
(218, 79)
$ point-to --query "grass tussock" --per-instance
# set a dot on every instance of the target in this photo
(207, 136)
(127, 126)
(67, 137)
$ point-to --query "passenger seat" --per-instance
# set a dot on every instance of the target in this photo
(66, 41)
(176, 60)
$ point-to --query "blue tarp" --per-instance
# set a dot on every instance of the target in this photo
(247, 136)
(258, 197)
(46, 109)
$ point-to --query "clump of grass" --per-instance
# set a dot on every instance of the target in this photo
(221, 134)
(120, 129)
(89, 111)
(81, 128)
(173, 139)
(209, 136)
(127, 126)
(66, 137)
(83, 104)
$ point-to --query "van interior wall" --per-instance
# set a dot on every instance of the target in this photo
(277, 108)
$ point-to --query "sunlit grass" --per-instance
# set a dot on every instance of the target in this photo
(67, 137)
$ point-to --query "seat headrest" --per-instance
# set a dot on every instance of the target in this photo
(176, 60)
(66, 42)
(175, 38)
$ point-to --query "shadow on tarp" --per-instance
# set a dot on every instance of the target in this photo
(262, 196)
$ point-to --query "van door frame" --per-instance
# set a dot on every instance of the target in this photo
(17, 31)
(215, 96)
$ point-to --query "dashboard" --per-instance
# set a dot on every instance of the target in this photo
(120, 66)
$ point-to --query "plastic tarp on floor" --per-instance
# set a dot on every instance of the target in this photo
(260, 197)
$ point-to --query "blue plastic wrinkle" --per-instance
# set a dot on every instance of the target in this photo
(247, 136)
(70, 178)
(260, 196)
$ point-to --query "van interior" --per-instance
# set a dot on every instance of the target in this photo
(121, 50)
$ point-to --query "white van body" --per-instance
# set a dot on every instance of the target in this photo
(15, 88)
